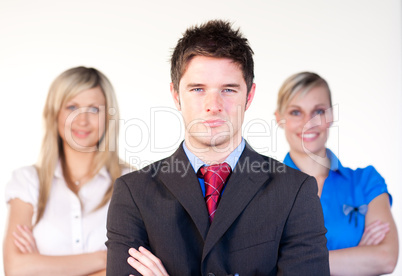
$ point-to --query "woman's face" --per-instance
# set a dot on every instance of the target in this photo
(306, 121)
(81, 121)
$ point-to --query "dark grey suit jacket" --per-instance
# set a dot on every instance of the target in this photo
(269, 220)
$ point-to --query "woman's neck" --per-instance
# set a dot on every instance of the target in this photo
(316, 167)
(78, 163)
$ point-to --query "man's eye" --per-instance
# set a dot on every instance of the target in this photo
(197, 89)
(228, 90)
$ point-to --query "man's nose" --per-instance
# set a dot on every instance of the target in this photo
(213, 102)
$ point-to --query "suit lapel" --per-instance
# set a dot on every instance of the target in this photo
(247, 178)
(177, 174)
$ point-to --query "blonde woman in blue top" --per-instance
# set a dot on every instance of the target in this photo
(362, 236)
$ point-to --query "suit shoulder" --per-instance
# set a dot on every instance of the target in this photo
(281, 171)
(280, 167)
(145, 175)
(291, 181)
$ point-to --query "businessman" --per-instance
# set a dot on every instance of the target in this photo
(215, 207)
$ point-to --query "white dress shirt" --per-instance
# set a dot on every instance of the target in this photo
(68, 226)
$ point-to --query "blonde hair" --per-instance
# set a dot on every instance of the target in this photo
(64, 87)
(301, 82)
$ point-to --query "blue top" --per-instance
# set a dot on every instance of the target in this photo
(344, 199)
(197, 163)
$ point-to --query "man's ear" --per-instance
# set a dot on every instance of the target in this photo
(176, 96)
(250, 96)
(278, 119)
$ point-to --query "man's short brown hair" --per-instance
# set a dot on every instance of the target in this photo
(215, 38)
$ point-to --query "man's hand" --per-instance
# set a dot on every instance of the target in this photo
(24, 240)
(146, 263)
(374, 233)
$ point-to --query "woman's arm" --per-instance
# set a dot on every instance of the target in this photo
(369, 259)
(19, 263)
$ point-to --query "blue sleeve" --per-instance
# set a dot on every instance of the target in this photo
(373, 183)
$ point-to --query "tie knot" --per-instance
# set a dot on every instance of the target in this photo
(214, 179)
(222, 169)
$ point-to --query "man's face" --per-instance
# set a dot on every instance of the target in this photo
(212, 97)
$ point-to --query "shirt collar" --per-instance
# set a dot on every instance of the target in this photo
(58, 172)
(334, 161)
(232, 159)
(104, 173)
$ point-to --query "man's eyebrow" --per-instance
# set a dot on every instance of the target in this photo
(235, 85)
(191, 85)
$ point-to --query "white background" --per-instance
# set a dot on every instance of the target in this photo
(355, 45)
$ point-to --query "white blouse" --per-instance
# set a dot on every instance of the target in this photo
(67, 226)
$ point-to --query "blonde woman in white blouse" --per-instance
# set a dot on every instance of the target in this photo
(58, 207)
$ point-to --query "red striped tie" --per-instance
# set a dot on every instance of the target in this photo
(214, 178)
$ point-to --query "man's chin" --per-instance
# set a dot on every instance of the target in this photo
(220, 144)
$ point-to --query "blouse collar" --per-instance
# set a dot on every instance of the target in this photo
(334, 161)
